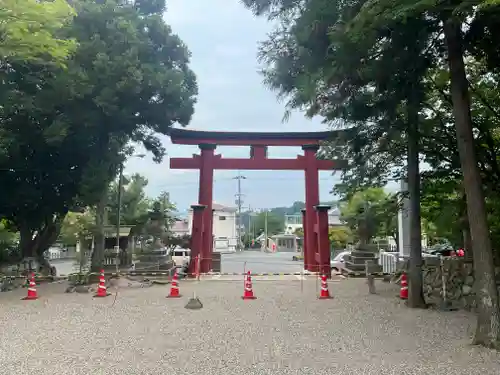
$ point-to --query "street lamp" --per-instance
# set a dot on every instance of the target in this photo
(119, 206)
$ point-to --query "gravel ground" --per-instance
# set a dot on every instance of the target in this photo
(285, 331)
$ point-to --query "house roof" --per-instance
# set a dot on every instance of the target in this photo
(334, 211)
(221, 207)
(180, 226)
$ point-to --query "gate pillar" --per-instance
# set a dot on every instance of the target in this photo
(312, 199)
(205, 197)
(196, 235)
(304, 240)
(323, 240)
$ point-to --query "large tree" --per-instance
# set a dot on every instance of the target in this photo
(358, 82)
(364, 64)
(65, 129)
(452, 16)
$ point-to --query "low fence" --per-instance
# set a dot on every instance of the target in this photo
(389, 261)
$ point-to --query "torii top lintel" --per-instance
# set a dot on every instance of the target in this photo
(196, 137)
(258, 142)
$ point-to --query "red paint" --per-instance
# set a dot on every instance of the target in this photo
(202, 231)
(256, 163)
(312, 199)
(205, 197)
(323, 240)
(196, 237)
(258, 152)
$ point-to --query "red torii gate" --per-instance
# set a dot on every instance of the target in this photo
(315, 216)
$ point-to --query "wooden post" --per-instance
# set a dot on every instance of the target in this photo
(370, 279)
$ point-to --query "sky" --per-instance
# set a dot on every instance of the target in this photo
(223, 38)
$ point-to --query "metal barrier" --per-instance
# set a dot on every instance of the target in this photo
(389, 261)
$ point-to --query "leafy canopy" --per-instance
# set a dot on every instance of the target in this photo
(64, 131)
(28, 30)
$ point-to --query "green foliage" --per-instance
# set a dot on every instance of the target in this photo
(353, 70)
(275, 223)
(76, 226)
(64, 131)
(8, 243)
(405, 80)
(28, 30)
(134, 203)
(370, 213)
(340, 237)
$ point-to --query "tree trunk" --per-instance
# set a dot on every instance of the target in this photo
(467, 240)
(488, 311)
(415, 282)
(34, 243)
(26, 241)
(98, 253)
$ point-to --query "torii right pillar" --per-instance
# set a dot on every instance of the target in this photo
(312, 199)
(323, 255)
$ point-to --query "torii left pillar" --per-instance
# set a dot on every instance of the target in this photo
(312, 199)
(205, 197)
(196, 236)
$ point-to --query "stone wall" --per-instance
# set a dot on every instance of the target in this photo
(459, 281)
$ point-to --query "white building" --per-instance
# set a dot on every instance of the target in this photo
(180, 228)
(294, 222)
(224, 228)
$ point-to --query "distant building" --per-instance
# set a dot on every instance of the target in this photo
(294, 222)
(180, 228)
(224, 229)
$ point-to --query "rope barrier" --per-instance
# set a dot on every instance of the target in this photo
(154, 271)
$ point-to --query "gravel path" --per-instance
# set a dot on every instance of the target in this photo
(285, 331)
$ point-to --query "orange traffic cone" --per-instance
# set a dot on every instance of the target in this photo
(101, 288)
(32, 293)
(324, 294)
(174, 288)
(248, 293)
(403, 293)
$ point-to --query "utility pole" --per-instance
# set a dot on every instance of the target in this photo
(239, 203)
(119, 210)
(250, 223)
(265, 230)
(118, 214)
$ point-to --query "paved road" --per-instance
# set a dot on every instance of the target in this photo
(64, 267)
(285, 331)
(255, 261)
(259, 262)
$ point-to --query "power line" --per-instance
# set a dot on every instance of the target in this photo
(219, 180)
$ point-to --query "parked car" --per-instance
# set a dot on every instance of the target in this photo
(441, 249)
(181, 257)
(338, 263)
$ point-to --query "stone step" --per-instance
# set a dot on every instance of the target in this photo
(354, 267)
(352, 273)
(358, 273)
(365, 254)
(361, 260)
(368, 248)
